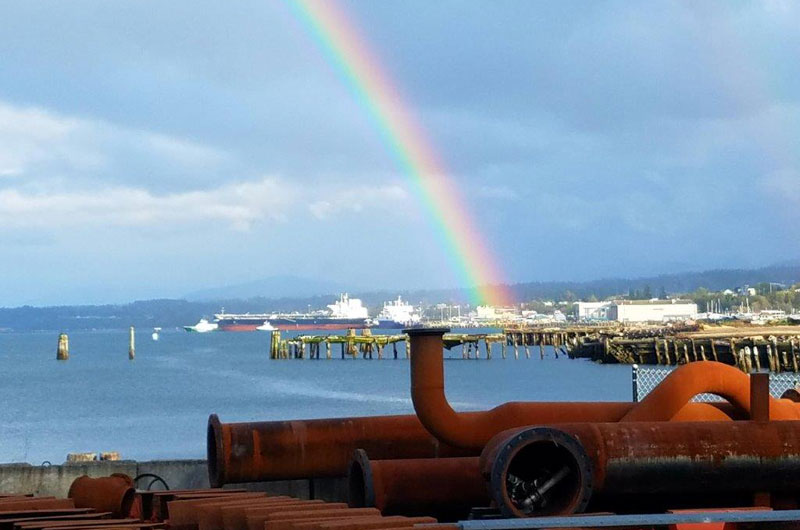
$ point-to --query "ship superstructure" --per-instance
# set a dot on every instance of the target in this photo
(343, 314)
(398, 314)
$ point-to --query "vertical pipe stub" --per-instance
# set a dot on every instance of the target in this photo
(418, 337)
(759, 397)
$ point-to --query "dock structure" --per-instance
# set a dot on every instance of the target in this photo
(776, 348)
(369, 346)
(351, 345)
(755, 348)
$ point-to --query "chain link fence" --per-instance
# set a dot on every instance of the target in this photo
(646, 378)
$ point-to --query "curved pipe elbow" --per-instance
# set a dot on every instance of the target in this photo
(472, 430)
(704, 377)
(427, 391)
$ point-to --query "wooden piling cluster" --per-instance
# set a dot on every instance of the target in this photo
(749, 348)
(574, 341)
(470, 343)
(773, 349)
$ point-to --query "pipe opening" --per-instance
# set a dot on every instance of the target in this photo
(126, 504)
(541, 472)
(360, 490)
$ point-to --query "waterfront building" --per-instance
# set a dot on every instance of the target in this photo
(652, 310)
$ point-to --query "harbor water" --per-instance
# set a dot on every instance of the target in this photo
(157, 405)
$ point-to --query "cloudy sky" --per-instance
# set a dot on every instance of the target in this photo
(150, 148)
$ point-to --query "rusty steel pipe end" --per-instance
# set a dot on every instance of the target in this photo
(421, 332)
(214, 452)
(540, 471)
(360, 482)
(114, 493)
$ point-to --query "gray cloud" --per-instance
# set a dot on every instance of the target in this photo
(589, 139)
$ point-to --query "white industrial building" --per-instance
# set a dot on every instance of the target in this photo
(652, 310)
(637, 310)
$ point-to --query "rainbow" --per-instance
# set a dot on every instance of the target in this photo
(408, 144)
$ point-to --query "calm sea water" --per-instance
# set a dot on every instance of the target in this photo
(157, 406)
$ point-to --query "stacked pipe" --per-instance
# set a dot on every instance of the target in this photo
(446, 488)
(222, 510)
(541, 462)
(94, 504)
(436, 452)
(282, 450)
(201, 509)
(114, 494)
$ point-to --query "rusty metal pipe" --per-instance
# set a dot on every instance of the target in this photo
(549, 471)
(700, 377)
(473, 430)
(280, 450)
(446, 488)
(113, 494)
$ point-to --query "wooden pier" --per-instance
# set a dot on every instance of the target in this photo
(369, 346)
(775, 348)
(748, 348)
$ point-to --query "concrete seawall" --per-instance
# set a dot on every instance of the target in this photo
(178, 474)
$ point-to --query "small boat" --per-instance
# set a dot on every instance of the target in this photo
(203, 326)
(266, 326)
(155, 333)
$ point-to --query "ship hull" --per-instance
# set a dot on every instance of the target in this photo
(390, 324)
(238, 327)
(318, 323)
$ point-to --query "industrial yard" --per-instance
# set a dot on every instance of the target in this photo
(682, 460)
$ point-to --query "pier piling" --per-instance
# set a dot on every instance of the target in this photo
(62, 352)
(132, 345)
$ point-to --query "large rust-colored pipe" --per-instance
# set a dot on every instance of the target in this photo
(114, 493)
(711, 377)
(446, 488)
(281, 450)
(545, 470)
(473, 430)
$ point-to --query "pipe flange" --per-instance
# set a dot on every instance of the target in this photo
(214, 452)
(361, 483)
(519, 450)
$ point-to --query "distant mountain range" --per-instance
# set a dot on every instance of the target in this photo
(715, 280)
(287, 293)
